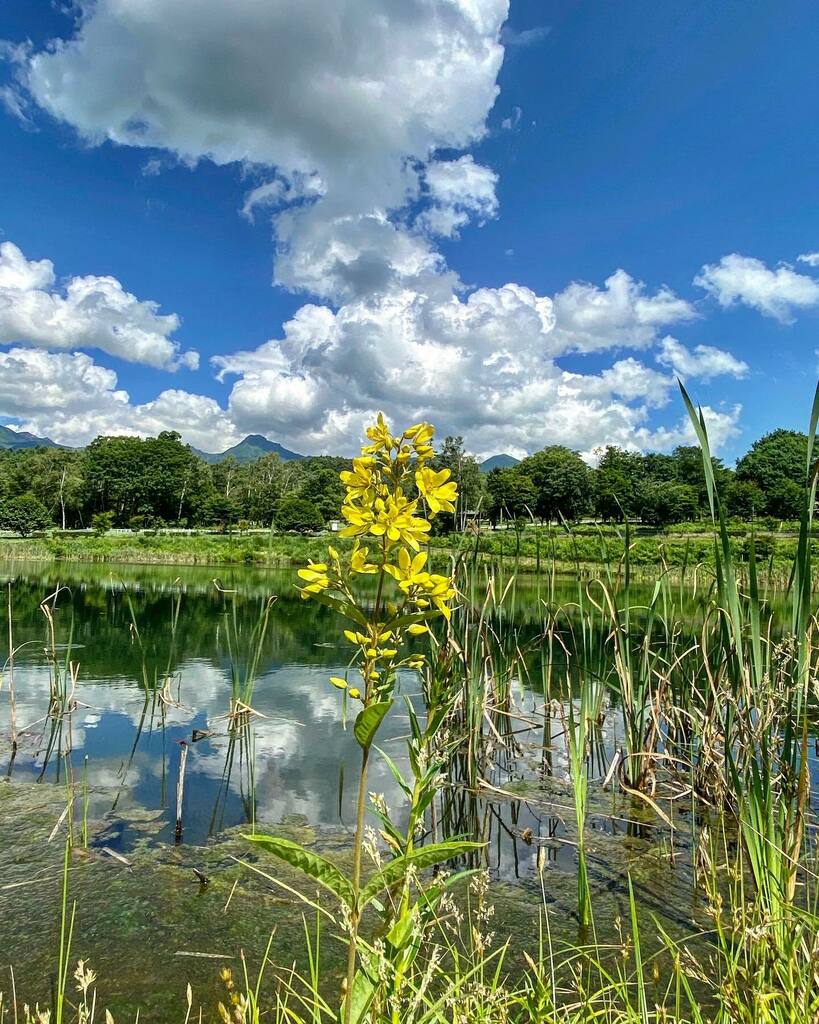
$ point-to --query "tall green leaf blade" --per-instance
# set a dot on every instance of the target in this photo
(311, 864)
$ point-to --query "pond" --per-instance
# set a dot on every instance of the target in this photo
(158, 654)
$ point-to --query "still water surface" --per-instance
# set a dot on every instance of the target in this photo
(157, 650)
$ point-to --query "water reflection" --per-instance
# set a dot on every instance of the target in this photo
(147, 658)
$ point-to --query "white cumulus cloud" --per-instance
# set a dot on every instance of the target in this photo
(703, 361)
(620, 314)
(353, 119)
(88, 312)
(746, 280)
(71, 399)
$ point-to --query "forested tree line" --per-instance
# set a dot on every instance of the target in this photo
(148, 483)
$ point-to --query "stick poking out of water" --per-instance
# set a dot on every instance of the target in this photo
(180, 788)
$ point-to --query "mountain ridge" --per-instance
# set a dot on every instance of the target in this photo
(16, 439)
(250, 448)
(501, 461)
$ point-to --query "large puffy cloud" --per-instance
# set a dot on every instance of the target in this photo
(71, 399)
(342, 89)
(351, 120)
(722, 426)
(482, 366)
(89, 312)
(743, 279)
(621, 313)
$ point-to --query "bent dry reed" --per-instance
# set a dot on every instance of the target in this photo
(716, 699)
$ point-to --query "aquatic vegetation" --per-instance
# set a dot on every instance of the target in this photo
(642, 756)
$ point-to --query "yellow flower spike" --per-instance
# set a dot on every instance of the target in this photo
(438, 490)
(359, 563)
(338, 682)
(382, 438)
(396, 519)
(361, 479)
(360, 520)
(420, 433)
(408, 572)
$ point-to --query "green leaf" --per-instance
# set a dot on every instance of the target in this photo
(401, 931)
(426, 857)
(399, 778)
(368, 721)
(362, 996)
(412, 617)
(311, 864)
(349, 611)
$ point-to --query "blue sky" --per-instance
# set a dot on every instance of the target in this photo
(441, 250)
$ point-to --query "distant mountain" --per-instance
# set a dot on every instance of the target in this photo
(253, 447)
(20, 439)
(499, 462)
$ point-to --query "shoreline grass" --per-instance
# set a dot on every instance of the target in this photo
(586, 548)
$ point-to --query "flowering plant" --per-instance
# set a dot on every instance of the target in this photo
(392, 493)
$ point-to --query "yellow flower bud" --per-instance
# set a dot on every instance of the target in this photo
(340, 683)
(417, 629)
(354, 693)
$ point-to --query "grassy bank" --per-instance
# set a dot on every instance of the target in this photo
(532, 550)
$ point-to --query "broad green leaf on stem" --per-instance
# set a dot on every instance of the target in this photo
(425, 857)
(311, 864)
(349, 611)
(413, 617)
(363, 992)
(368, 721)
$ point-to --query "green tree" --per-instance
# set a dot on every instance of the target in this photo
(667, 503)
(24, 515)
(689, 471)
(617, 483)
(298, 515)
(562, 481)
(221, 511)
(321, 488)
(101, 522)
(511, 495)
(743, 499)
(776, 465)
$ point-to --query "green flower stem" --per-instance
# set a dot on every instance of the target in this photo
(361, 808)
